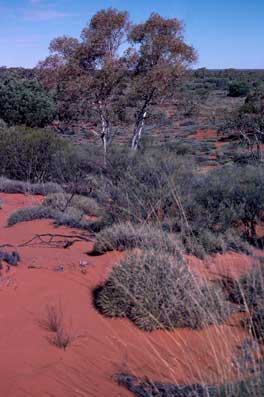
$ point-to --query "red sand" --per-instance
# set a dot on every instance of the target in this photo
(202, 135)
(31, 366)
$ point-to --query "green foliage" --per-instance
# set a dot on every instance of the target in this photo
(226, 197)
(238, 89)
(140, 186)
(31, 155)
(156, 290)
(25, 102)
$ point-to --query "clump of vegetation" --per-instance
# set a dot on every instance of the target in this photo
(223, 203)
(71, 217)
(253, 386)
(140, 187)
(30, 214)
(156, 290)
(61, 201)
(12, 258)
(55, 323)
(126, 236)
(25, 102)
(14, 186)
(54, 317)
(248, 292)
(32, 155)
(209, 242)
(238, 88)
(62, 339)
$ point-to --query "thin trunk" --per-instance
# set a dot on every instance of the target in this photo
(140, 122)
(104, 133)
(138, 132)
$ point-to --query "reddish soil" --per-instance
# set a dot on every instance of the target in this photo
(203, 135)
(231, 264)
(32, 366)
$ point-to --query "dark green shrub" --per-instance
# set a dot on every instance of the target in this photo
(226, 197)
(25, 102)
(30, 155)
(238, 89)
(156, 290)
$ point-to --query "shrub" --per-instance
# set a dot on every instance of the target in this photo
(249, 293)
(61, 200)
(250, 387)
(14, 186)
(209, 243)
(156, 290)
(25, 102)
(11, 258)
(224, 198)
(71, 217)
(238, 89)
(30, 155)
(30, 214)
(136, 187)
(126, 236)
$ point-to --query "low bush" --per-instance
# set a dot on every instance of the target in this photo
(248, 292)
(137, 187)
(60, 201)
(250, 387)
(11, 258)
(209, 243)
(14, 186)
(24, 101)
(30, 154)
(222, 199)
(30, 214)
(126, 236)
(156, 290)
(71, 217)
(238, 89)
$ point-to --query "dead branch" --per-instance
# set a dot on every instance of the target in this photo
(48, 239)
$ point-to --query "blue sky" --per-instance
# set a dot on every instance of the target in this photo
(227, 33)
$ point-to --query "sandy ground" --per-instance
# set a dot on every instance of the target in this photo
(31, 365)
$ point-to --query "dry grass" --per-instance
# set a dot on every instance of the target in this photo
(61, 201)
(126, 236)
(54, 317)
(156, 290)
(55, 323)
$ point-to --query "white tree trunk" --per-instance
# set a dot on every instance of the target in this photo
(138, 131)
